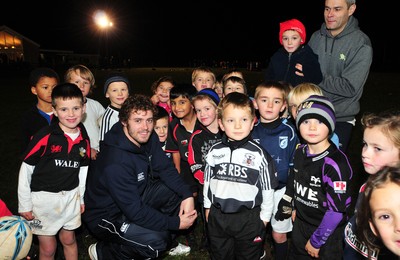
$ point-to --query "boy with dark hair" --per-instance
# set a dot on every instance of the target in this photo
(53, 174)
(180, 131)
(234, 84)
(161, 124)
(41, 82)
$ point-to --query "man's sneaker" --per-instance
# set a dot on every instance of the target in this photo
(179, 250)
(92, 252)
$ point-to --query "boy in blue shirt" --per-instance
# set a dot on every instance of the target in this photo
(278, 137)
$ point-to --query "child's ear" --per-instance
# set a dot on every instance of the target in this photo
(33, 90)
(255, 103)
(54, 111)
(373, 229)
(221, 125)
(283, 107)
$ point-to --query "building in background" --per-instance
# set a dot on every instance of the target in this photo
(18, 50)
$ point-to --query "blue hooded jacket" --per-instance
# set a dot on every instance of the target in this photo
(115, 185)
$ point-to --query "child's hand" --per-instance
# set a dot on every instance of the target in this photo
(284, 208)
(299, 70)
(312, 251)
(93, 154)
(27, 215)
(206, 213)
(154, 99)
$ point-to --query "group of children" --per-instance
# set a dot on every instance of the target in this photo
(303, 172)
(64, 126)
(271, 158)
(321, 198)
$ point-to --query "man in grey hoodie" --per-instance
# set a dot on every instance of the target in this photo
(345, 55)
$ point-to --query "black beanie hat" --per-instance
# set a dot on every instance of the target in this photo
(116, 78)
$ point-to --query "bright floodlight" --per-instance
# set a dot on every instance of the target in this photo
(101, 19)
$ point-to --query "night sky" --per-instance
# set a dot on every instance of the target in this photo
(174, 33)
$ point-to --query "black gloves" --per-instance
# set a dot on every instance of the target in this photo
(285, 205)
(284, 208)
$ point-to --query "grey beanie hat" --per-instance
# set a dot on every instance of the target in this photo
(318, 107)
(116, 78)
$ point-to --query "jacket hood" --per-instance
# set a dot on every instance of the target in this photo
(351, 26)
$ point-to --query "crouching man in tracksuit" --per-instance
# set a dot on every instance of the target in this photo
(134, 196)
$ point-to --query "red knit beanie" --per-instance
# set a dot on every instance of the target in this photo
(293, 24)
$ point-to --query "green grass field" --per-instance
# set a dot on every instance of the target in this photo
(381, 92)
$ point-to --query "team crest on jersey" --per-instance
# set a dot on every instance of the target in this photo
(315, 181)
(82, 151)
(283, 142)
(339, 186)
(184, 142)
(55, 148)
(249, 159)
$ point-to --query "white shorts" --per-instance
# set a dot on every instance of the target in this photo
(53, 211)
(285, 225)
